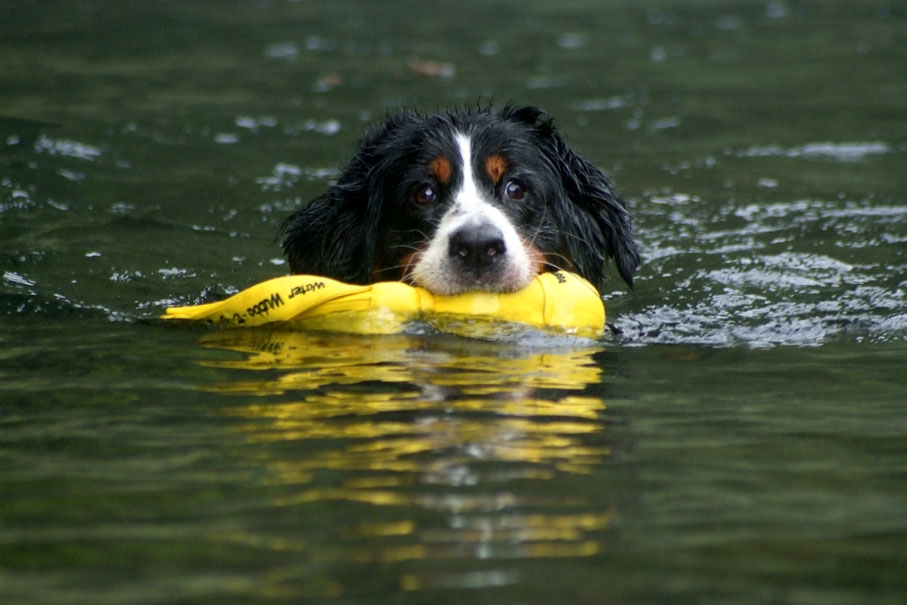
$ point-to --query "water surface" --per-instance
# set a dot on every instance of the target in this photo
(738, 437)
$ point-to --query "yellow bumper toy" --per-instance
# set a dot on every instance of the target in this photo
(560, 301)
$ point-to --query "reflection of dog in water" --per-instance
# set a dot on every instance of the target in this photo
(474, 200)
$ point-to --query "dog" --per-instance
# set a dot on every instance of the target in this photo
(478, 199)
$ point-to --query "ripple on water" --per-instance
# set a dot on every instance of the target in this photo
(843, 152)
(797, 273)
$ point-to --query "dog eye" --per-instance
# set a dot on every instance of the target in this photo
(514, 191)
(425, 195)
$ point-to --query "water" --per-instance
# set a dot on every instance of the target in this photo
(741, 437)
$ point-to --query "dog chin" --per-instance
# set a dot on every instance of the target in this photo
(446, 281)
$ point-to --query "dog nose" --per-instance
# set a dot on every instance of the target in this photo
(477, 247)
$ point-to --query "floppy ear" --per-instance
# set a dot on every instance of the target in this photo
(336, 234)
(333, 235)
(597, 227)
(601, 216)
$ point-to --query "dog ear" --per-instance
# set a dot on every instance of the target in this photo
(333, 235)
(598, 220)
(608, 222)
(336, 234)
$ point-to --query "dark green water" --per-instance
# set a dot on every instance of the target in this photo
(744, 439)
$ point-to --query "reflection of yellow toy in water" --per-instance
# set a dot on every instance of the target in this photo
(410, 424)
(558, 300)
(310, 361)
(522, 405)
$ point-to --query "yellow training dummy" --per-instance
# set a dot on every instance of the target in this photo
(562, 301)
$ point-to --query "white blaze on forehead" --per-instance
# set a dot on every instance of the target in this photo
(468, 198)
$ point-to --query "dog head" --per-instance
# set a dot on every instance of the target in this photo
(475, 200)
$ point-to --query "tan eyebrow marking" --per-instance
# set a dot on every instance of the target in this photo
(440, 168)
(496, 166)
